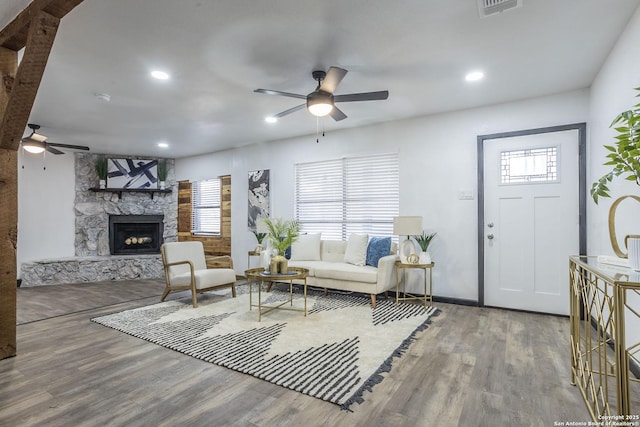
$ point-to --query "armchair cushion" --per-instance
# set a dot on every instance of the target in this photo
(206, 278)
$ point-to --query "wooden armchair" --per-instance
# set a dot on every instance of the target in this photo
(185, 268)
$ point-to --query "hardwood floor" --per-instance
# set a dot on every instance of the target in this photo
(472, 367)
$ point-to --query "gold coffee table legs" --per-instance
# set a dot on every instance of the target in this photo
(260, 278)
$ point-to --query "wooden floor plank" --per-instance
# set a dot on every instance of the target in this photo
(471, 367)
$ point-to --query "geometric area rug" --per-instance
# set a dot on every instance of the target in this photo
(336, 353)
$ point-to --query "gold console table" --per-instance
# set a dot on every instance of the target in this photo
(604, 300)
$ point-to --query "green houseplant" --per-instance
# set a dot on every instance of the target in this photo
(162, 173)
(102, 169)
(281, 234)
(259, 237)
(624, 158)
(624, 154)
(424, 240)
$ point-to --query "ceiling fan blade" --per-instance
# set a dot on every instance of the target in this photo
(332, 79)
(73, 147)
(53, 150)
(290, 110)
(337, 114)
(279, 93)
(364, 96)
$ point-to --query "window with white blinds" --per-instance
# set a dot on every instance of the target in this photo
(205, 207)
(350, 195)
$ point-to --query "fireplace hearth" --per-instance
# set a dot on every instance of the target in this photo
(135, 234)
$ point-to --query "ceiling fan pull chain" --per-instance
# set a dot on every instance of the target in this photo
(317, 129)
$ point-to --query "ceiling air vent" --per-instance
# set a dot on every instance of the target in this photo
(491, 7)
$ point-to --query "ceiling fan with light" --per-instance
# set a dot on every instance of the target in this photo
(36, 143)
(321, 102)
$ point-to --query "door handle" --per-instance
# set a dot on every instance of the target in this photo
(490, 236)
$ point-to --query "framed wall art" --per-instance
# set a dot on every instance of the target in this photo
(132, 173)
(258, 197)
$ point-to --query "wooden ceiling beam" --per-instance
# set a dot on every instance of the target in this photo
(14, 35)
(42, 33)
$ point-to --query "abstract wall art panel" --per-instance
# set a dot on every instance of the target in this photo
(258, 197)
(132, 173)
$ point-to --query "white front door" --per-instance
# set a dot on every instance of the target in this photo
(531, 220)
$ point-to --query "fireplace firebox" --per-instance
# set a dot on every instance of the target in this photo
(135, 234)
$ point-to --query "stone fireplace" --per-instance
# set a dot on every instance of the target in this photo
(135, 234)
(95, 258)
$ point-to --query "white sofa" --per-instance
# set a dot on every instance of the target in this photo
(328, 268)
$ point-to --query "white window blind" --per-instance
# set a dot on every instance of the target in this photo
(350, 195)
(205, 203)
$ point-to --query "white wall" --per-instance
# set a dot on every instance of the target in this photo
(612, 93)
(437, 159)
(45, 206)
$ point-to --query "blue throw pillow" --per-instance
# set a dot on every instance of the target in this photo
(378, 247)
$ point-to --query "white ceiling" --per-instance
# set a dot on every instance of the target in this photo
(219, 51)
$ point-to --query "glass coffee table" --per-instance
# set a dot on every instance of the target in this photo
(259, 276)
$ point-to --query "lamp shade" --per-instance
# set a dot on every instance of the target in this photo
(407, 225)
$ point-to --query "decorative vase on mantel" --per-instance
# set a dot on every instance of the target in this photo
(631, 241)
(102, 184)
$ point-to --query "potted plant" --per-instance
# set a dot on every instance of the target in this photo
(162, 173)
(101, 170)
(281, 234)
(624, 158)
(259, 237)
(624, 155)
(424, 240)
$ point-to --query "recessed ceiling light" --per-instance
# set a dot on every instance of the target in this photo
(474, 76)
(163, 145)
(103, 96)
(270, 119)
(160, 75)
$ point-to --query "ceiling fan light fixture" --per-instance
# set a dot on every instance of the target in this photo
(271, 119)
(33, 146)
(320, 103)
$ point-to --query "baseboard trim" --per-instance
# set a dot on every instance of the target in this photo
(458, 301)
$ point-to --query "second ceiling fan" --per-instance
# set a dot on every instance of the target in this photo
(321, 101)
(37, 143)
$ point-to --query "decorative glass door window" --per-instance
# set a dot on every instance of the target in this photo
(537, 165)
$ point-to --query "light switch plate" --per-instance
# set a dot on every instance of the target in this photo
(465, 194)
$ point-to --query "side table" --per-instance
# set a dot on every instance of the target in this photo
(428, 291)
(249, 255)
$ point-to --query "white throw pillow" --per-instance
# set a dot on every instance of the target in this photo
(356, 252)
(306, 248)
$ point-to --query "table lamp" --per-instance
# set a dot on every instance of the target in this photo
(407, 226)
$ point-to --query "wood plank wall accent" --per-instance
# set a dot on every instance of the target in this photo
(34, 29)
(213, 245)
